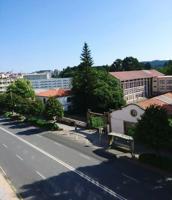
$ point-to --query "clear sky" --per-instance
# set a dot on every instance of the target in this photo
(48, 34)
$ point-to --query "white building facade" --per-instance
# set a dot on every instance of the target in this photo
(7, 78)
(44, 80)
(126, 117)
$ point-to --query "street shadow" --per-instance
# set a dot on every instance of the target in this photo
(19, 125)
(32, 131)
(108, 183)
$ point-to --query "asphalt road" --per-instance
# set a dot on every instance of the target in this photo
(42, 168)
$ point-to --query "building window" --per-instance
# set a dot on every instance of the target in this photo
(133, 113)
(162, 81)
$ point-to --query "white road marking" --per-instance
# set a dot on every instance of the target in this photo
(19, 157)
(38, 135)
(58, 144)
(131, 178)
(81, 174)
(5, 145)
(84, 156)
(42, 176)
(3, 171)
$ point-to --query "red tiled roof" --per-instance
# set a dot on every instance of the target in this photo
(54, 93)
(129, 75)
(163, 100)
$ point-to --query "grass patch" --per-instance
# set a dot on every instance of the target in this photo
(160, 162)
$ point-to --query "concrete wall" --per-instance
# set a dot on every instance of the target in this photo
(118, 117)
(62, 100)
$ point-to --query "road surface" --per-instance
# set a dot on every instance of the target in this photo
(44, 169)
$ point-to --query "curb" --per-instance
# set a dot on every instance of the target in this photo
(10, 183)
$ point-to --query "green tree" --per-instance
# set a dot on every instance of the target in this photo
(53, 108)
(95, 89)
(3, 102)
(153, 128)
(22, 88)
(86, 59)
(117, 65)
(106, 92)
(36, 107)
(130, 63)
(82, 81)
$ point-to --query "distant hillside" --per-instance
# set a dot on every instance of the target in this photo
(156, 63)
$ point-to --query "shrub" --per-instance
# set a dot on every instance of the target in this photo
(96, 122)
(8, 114)
(163, 163)
(51, 126)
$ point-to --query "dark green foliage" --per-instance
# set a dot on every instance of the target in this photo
(96, 122)
(36, 107)
(163, 163)
(3, 106)
(153, 128)
(167, 68)
(53, 109)
(86, 59)
(68, 72)
(127, 64)
(42, 123)
(95, 89)
(22, 88)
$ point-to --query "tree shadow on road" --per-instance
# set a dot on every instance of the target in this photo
(71, 186)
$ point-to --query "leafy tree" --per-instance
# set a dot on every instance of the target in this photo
(22, 88)
(68, 72)
(117, 65)
(153, 128)
(105, 92)
(36, 107)
(82, 81)
(130, 63)
(167, 69)
(3, 98)
(53, 108)
(95, 89)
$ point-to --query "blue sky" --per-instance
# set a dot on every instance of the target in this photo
(48, 34)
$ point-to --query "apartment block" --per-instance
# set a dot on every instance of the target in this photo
(136, 85)
(162, 84)
(44, 80)
(7, 78)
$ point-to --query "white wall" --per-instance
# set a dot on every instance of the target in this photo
(119, 116)
(62, 100)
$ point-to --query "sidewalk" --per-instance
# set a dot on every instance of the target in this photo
(88, 137)
(6, 190)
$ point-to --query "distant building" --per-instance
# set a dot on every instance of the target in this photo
(63, 95)
(123, 119)
(44, 80)
(7, 78)
(164, 101)
(162, 84)
(136, 85)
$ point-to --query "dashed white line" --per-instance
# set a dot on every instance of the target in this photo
(84, 156)
(58, 144)
(42, 176)
(131, 178)
(19, 157)
(5, 146)
(81, 174)
(38, 135)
